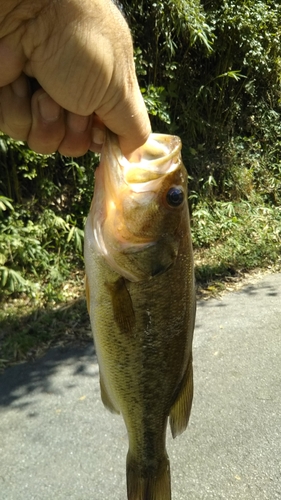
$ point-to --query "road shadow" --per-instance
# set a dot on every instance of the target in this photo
(28, 378)
(270, 290)
(262, 287)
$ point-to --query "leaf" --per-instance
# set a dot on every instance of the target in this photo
(70, 234)
(4, 275)
(5, 203)
(236, 74)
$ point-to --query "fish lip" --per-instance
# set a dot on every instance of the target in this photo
(169, 149)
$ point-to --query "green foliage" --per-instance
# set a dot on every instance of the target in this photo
(165, 34)
(237, 221)
(155, 99)
(219, 64)
(37, 249)
(5, 203)
(42, 220)
(235, 236)
(12, 280)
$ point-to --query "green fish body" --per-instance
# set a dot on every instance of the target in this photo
(141, 301)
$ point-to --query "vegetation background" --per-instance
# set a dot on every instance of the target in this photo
(209, 72)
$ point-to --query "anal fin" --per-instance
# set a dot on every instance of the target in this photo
(180, 411)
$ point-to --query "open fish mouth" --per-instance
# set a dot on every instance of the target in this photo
(160, 155)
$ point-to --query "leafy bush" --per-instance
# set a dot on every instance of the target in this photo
(41, 231)
(235, 236)
(210, 72)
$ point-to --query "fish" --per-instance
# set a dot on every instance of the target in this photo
(140, 293)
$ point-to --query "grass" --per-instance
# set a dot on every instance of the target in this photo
(233, 237)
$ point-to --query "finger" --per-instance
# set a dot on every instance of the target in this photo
(128, 118)
(48, 124)
(11, 54)
(15, 111)
(77, 139)
(98, 134)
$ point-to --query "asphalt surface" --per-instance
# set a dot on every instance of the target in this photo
(58, 442)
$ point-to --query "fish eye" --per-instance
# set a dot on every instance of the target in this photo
(175, 196)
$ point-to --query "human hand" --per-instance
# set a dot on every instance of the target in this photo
(80, 52)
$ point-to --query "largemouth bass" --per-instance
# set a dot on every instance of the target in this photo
(141, 301)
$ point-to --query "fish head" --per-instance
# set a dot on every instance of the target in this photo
(139, 207)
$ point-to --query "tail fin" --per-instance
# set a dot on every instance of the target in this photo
(148, 484)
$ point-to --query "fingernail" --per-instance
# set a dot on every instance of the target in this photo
(49, 109)
(77, 123)
(98, 136)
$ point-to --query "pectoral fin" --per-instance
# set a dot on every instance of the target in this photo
(180, 412)
(123, 310)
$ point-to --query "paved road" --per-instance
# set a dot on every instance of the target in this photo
(58, 442)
